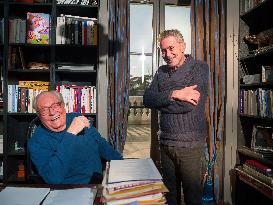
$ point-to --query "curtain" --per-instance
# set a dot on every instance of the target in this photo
(118, 55)
(208, 43)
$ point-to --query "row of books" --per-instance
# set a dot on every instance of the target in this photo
(259, 171)
(17, 30)
(78, 98)
(257, 102)
(21, 95)
(133, 181)
(76, 30)
(254, 182)
(81, 2)
(34, 29)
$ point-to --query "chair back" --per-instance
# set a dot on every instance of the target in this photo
(31, 172)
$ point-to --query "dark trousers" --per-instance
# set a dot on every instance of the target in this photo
(182, 165)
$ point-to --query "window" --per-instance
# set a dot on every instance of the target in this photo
(144, 61)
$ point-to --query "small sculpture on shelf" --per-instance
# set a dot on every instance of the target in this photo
(17, 147)
(21, 170)
(260, 41)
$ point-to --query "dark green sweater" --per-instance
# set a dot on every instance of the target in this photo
(181, 123)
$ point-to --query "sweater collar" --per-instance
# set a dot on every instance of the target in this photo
(184, 67)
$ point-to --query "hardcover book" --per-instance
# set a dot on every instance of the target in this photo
(38, 28)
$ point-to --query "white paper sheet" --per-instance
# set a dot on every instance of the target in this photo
(22, 195)
(132, 170)
(81, 196)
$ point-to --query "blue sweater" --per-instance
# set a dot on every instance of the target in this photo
(181, 123)
(63, 158)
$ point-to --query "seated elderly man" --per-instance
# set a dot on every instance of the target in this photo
(66, 149)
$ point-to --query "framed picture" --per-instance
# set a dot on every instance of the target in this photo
(262, 138)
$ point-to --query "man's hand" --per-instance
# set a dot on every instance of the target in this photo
(187, 94)
(78, 124)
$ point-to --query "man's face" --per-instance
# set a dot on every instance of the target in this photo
(51, 112)
(172, 52)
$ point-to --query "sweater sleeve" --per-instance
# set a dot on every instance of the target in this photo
(51, 164)
(201, 75)
(153, 98)
(106, 151)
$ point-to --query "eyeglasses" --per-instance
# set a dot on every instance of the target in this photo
(45, 110)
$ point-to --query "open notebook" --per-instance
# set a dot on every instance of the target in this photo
(45, 196)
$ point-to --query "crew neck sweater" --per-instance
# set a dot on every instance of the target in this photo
(181, 123)
(64, 158)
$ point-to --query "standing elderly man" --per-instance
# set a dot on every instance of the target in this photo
(66, 149)
(179, 92)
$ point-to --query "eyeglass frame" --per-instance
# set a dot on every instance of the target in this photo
(46, 110)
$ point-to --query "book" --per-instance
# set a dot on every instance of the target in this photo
(38, 25)
(154, 199)
(133, 170)
(265, 179)
(22, 59)
(60, 30)
(267, 73)
(259, 167)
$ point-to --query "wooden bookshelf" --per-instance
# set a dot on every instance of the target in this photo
(254, 98)
(17, 55)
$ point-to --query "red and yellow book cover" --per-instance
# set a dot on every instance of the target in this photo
(38, 25)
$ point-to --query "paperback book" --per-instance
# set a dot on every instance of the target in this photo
(38, 25)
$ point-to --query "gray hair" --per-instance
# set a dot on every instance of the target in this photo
(173, 32)
(57, 94)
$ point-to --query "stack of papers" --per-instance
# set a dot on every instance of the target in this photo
(133, 180)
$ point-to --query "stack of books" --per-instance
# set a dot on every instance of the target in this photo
(133, 181)
(259, 171)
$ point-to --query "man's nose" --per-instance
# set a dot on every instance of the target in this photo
(51, 111)
(168, 53)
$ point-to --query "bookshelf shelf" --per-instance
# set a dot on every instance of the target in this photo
(18, 114)
(255, 155)
(30, 45)
(29, 4)
(257, 85)
(65, 46)
(73, 9)
(16, 154)
(261, 54)
(14, 179)
(20, 71)
(255, 183)
(88, 72)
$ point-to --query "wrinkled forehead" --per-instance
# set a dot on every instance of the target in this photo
(46, 100)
